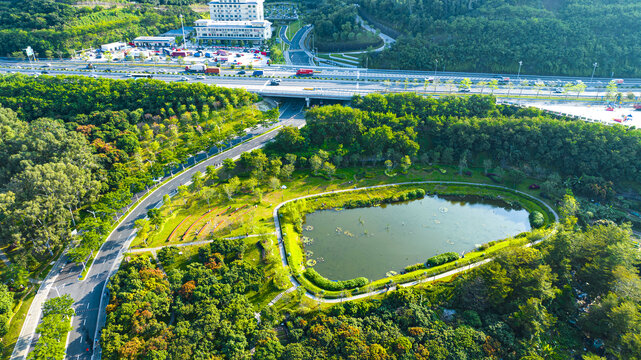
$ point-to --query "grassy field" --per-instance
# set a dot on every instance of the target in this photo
(293, 28)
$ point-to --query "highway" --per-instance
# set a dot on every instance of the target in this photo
(322, 72)
(328, 83)
(88, 294)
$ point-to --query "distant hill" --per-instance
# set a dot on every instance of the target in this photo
(561, 37)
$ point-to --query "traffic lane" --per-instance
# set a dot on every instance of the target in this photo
(299, 57)
(302, 84)
(349, 72)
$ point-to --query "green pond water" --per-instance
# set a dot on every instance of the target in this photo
(374, 240)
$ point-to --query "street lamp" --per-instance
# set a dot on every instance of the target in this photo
(519, 74)
(182, 25)
(593, 70)
(435, 67)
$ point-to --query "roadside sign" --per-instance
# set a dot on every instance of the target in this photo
(29, 51)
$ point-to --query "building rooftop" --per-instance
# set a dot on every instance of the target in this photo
(178, 32)
(154, 38)
(207, 22)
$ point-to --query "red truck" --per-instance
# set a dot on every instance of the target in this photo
(303, 72)
(180, 53)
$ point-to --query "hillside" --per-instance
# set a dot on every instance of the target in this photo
(550, 37)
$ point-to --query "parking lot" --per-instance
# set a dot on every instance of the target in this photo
(219, 56)
(596, 112)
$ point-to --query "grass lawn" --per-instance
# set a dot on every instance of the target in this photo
(9, 340)
(191, 218)
(293, 28)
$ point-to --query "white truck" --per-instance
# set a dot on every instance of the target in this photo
(196, 68)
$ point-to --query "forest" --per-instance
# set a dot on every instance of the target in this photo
(55, 29)
(336, 29)
(72, 148)
(549, 37)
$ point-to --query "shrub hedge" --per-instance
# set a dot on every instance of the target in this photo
(415, 267)
(323, 283)
(442, 258)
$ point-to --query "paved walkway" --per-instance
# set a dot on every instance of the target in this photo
(4, 258)
(296, 284)
(201, 242)
(387, 40)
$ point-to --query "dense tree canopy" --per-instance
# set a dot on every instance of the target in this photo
(111, 140)
(550, 37)
(54, 29)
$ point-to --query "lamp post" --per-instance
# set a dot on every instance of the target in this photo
(518, 76)
(593, 70)
(182, 25)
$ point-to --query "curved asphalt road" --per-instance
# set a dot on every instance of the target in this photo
(88, 294)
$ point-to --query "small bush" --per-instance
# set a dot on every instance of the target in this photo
(537, 219)
(472, 318)
(442, 259)
(167, 255)
(415, 267)
(327, 284)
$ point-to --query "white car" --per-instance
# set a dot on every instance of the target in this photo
(184, 78)
(201, 77)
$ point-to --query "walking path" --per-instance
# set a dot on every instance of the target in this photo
(193, 243)
(296, 284)
(4, 258)
(387, 40)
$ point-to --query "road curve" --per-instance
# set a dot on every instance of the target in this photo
(88, 294)
(296, 284)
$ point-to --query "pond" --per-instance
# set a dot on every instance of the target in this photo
(372, 241)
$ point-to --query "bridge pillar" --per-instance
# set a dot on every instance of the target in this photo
(307, 101)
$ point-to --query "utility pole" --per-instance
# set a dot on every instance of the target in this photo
(519, 74)
(435, 67)
(593, 70)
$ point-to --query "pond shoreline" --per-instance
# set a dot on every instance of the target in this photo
(293, 260)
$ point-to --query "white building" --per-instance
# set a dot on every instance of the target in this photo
(154, 41)
(111, 47)
(234, 20)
